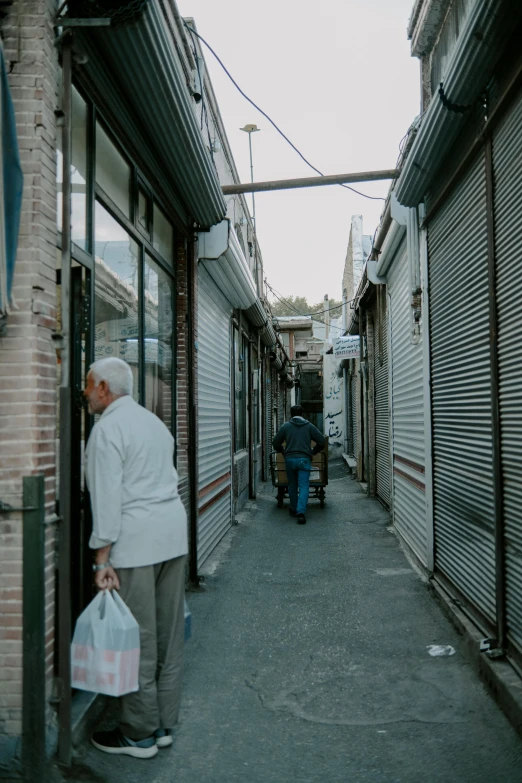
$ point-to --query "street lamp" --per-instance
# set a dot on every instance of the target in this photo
(250, 129)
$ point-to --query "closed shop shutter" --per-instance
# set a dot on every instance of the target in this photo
(382, 407)
(507, 167)
(281, 401)
(353, 444)
(214, 416)
(409, 492)
(276, 422)
(461, 392)
(269, 413)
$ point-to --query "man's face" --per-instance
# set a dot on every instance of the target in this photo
(97, 397)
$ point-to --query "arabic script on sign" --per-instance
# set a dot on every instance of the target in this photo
(346, 347)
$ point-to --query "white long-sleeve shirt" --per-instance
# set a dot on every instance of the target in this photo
(134, 487)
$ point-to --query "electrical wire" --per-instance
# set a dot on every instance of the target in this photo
(270, 120)
(306, 315)
(204, 111)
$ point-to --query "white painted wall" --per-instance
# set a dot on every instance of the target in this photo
(333, 406)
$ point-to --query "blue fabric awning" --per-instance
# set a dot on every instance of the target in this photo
(10, 191)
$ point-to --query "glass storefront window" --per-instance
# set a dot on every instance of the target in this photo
(116, 320)
(78, 173)
(159, 319)
(240, 389)
(113, 173)
(143, 211)
(162, 235)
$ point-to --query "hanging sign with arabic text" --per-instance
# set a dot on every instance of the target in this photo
(346, 347)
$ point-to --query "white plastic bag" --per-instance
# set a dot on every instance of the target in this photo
(105, 651)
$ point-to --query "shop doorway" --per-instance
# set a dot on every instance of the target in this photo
(81, 425)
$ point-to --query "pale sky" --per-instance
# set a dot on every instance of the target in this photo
(338, 79)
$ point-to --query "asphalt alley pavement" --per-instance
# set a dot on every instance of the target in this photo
(312, 661)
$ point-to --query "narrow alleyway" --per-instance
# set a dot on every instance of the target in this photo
(309, 662)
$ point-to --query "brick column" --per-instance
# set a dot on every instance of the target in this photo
(27, 357)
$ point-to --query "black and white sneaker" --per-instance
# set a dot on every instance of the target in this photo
(163, 738)
(118, 744)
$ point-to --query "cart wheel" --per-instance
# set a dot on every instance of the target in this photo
(321, 497)
(280, 497)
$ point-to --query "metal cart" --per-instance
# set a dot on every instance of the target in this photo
(318, 476)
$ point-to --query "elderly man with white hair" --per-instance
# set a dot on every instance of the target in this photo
(140, 541)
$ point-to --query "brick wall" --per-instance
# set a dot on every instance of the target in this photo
(27, 357)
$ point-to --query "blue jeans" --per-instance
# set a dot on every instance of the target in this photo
(298, 472)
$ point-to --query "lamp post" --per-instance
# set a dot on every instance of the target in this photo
(250, 129)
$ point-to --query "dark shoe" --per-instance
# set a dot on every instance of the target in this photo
(116, 743)
(163, 738)
(301, 519)
(292, 512)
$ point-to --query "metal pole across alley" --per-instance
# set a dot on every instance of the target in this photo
(309, 182)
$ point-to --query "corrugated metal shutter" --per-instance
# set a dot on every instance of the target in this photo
(382, 407)
(461, 392)
(214, 416)
(276, 422)
(507, 166)
(353, 445)
(409, 495)
(269, 414)
(281, 401)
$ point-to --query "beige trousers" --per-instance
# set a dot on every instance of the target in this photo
(155, 596)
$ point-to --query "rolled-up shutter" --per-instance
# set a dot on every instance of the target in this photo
(382, 407)
(461, 392)
(136, 69)
(214, 416)
(409, 491)
(507, 167)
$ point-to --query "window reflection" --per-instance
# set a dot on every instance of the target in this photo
(158, 341)
(113, 173)
(116, 293)
(241, 389)
(143, 211)
(78, 173)
(162, 235)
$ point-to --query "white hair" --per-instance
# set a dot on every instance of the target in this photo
(115, 372)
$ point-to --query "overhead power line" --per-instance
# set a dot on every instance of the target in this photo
(270, 120)
(306, 315)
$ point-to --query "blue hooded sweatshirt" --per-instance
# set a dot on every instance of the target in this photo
(298, 434)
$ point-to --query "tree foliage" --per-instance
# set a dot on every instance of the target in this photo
(300, 304)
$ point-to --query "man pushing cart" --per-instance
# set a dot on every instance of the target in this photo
(298, 435)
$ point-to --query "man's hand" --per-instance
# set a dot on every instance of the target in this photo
(106, 579)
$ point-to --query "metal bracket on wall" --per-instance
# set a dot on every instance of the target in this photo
(5, 508)
(64, 21)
